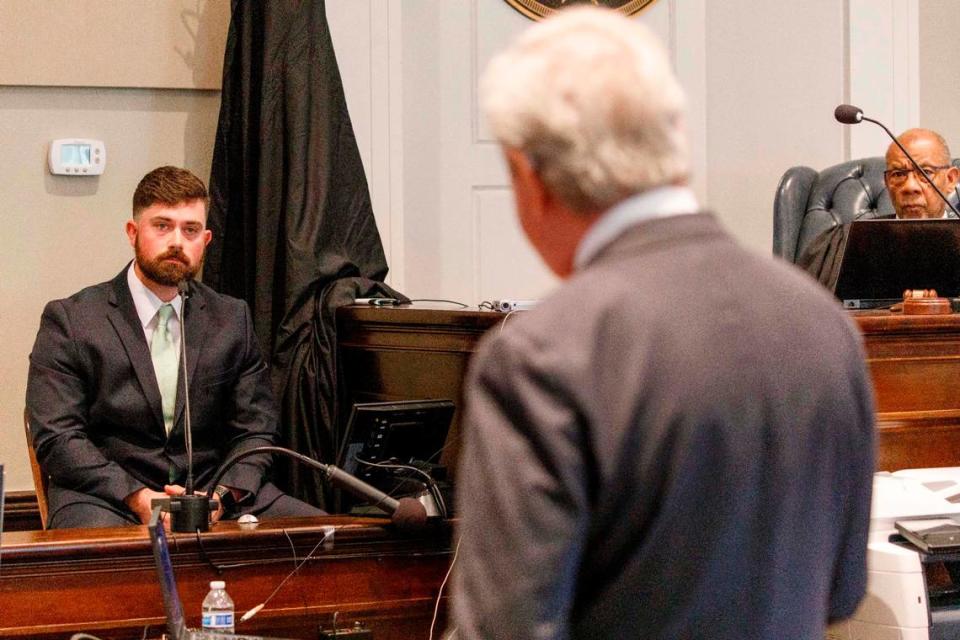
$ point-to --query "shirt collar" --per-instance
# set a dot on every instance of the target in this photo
(146, 302)
(656, 203)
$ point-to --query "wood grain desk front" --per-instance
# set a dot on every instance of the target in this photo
(914, 362)
(102, 581)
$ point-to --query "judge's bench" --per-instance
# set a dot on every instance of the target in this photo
(56, 583)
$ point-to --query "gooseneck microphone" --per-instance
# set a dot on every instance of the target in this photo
(189, 512)
(184, 288)
(407, 514)
(849, 114)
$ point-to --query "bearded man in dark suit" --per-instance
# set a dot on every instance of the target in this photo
(105, 394)
(678, 442)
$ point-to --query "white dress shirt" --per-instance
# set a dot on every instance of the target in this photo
(656, 203)
(148, 304)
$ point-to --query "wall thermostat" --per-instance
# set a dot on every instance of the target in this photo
(77, 157)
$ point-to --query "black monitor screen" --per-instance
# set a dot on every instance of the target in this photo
(394, 432)
(883, 258)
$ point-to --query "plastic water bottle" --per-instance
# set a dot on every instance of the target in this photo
(218, 609)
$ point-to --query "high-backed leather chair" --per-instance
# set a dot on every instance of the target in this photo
(807, 203)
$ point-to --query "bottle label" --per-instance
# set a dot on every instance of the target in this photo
(218, 620)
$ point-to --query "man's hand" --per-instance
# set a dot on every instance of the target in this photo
(139, 502)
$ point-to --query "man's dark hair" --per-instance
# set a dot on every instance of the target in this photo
(169, 186)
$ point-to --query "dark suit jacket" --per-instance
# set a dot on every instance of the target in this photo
(678, 443)
(94, 403)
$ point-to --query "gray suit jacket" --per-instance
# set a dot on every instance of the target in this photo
(94, 404)
(678, 443)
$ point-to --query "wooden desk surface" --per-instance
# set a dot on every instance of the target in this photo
(914, 361)
(103, 581)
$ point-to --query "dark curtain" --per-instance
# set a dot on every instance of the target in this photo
(290, 209)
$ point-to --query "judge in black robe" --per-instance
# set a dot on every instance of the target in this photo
(912, 195)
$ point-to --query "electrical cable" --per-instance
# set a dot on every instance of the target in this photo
(436, 607)
(293, 548)
(505, 318)
(389, 465)
(255, 610)
(431, 483)
(256, 562)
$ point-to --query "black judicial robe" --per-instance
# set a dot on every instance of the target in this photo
(822, 257)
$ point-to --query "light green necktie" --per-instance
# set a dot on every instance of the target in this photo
(164, 355)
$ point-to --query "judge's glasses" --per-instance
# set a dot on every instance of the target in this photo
(899, 176)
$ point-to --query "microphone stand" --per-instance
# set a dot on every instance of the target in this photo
(860, 116)
(405, 513)
(189, 512)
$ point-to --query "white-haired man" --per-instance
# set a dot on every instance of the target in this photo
(679, 442)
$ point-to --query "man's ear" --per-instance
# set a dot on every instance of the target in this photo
(131, 228)
(527, 183)
(953, 175)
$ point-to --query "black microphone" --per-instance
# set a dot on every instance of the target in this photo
(407, 514)
(849, 114)
(189, 512)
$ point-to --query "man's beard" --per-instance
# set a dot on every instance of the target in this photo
(165, 271)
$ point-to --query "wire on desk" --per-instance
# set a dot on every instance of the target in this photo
(436, 607)
(255, 610)
(505, 318)
(461, 304)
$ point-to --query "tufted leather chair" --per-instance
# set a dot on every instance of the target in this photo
(808, 203)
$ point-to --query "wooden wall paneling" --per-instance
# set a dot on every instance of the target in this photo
(915, 367)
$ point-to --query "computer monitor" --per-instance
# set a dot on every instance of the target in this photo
(393, 432)
(883, 258)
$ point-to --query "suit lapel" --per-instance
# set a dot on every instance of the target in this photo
(195, 327)
(123, 316)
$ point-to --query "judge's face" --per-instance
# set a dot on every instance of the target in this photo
(169, 242)
(912, 195)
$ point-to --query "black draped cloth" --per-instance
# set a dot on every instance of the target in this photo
(823, 256)
(290, 210)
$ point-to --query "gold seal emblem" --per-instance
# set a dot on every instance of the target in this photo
(537, 9)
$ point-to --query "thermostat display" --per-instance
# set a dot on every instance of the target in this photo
(77, 157)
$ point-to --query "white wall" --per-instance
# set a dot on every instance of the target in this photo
(939, 50)
(63, 233)
(461, 238)
(883, 79)
(762, 78)
(775, 72)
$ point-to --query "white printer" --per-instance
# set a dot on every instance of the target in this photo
(910, 595)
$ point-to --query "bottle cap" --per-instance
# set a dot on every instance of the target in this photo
(218, 584)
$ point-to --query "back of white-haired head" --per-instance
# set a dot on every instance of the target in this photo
(589, 97)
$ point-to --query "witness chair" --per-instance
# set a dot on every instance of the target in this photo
(808, 203)
(40, 479)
